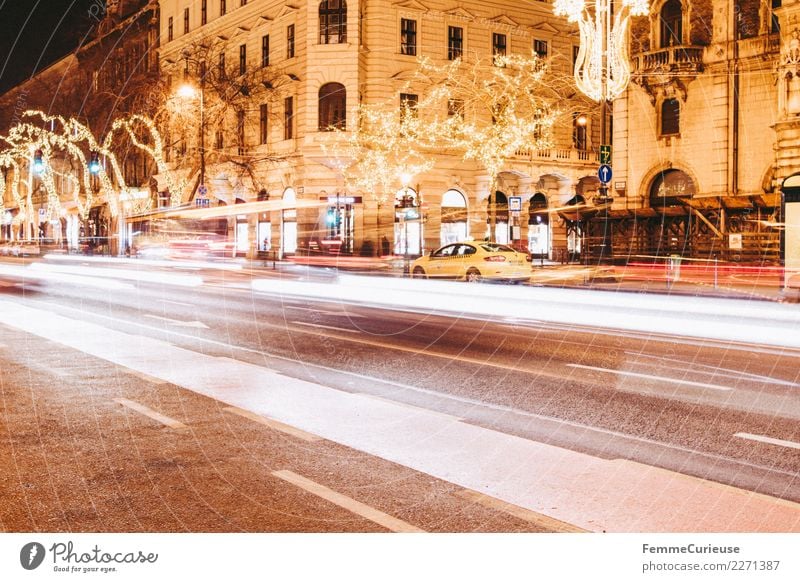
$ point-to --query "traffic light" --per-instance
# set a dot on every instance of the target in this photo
(94, 163)
(332, 218)
(38, 162)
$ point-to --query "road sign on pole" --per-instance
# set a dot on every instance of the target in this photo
(604, 173)
(605, 155)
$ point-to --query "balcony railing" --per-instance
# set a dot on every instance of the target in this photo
(558, 155)
(674, 57)
(768, 44)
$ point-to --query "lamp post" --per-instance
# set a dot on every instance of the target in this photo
(602, 67)
(188, 91)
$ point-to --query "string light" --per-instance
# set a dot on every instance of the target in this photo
(602, 68)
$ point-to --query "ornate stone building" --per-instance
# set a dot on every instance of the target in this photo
(333, 55)
(707, 130)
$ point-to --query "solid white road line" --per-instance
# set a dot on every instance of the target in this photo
(348, 503)
(418, 409)
(768, 440)
(323, 311)
(715, 370)
(325, 327)
(149, 412)
(177, 322)
(651, 377)
(182, 304)
(274, 424)
(543, 521)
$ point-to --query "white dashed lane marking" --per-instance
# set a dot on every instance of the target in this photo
(348, 503)
(150, 413)
(651, 377)
(768, 440)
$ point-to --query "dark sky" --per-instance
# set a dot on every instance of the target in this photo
(36, 33)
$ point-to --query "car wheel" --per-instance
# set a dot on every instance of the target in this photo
(473, 276)
(418, 273)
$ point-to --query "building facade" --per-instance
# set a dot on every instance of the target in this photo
(706, 131)
(325, 59)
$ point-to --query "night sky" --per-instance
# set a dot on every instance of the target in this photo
(36, 33)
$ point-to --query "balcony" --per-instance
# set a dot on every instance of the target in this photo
(667, 71)
(557, 156)
(675, 58)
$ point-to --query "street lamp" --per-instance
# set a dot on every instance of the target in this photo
(602, 67)
(188, 91)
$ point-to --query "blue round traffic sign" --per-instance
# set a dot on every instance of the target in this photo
(604, 173)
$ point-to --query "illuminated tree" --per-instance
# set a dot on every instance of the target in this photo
(490, 110)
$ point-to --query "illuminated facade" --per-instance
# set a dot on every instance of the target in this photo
(706, 130)
(326, 59)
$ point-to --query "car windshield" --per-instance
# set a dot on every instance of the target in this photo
(496, 248)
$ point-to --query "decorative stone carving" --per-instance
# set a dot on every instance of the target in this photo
(790, 55)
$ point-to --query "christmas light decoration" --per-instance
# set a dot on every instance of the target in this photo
(156, 151)
(602, 68)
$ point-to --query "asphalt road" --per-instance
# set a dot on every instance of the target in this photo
(198, 404)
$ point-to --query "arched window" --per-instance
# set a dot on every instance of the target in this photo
(454, 217)
(332, 107)
(669, 186)
(671, 24)
(538, 226)
(332, 21)
(670, 117)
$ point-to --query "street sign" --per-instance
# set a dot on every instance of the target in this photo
(202, 202)
(604, 173)
(515, 203)
(735, 242)
(202, 190)
(605, 154)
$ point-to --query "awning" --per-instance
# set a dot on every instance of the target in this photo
(737, 202)
(710, 203)
(767, 200)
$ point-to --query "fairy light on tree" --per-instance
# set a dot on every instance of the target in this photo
(74, 132)
(495, 108)
(155, 149)
(385, 145)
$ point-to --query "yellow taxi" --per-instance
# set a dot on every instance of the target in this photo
(473, 261)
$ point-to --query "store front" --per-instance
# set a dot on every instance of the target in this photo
(339, 224)
(538, 226)
(454, 218)
(289, 223)
(407, 223)
(497, 214)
